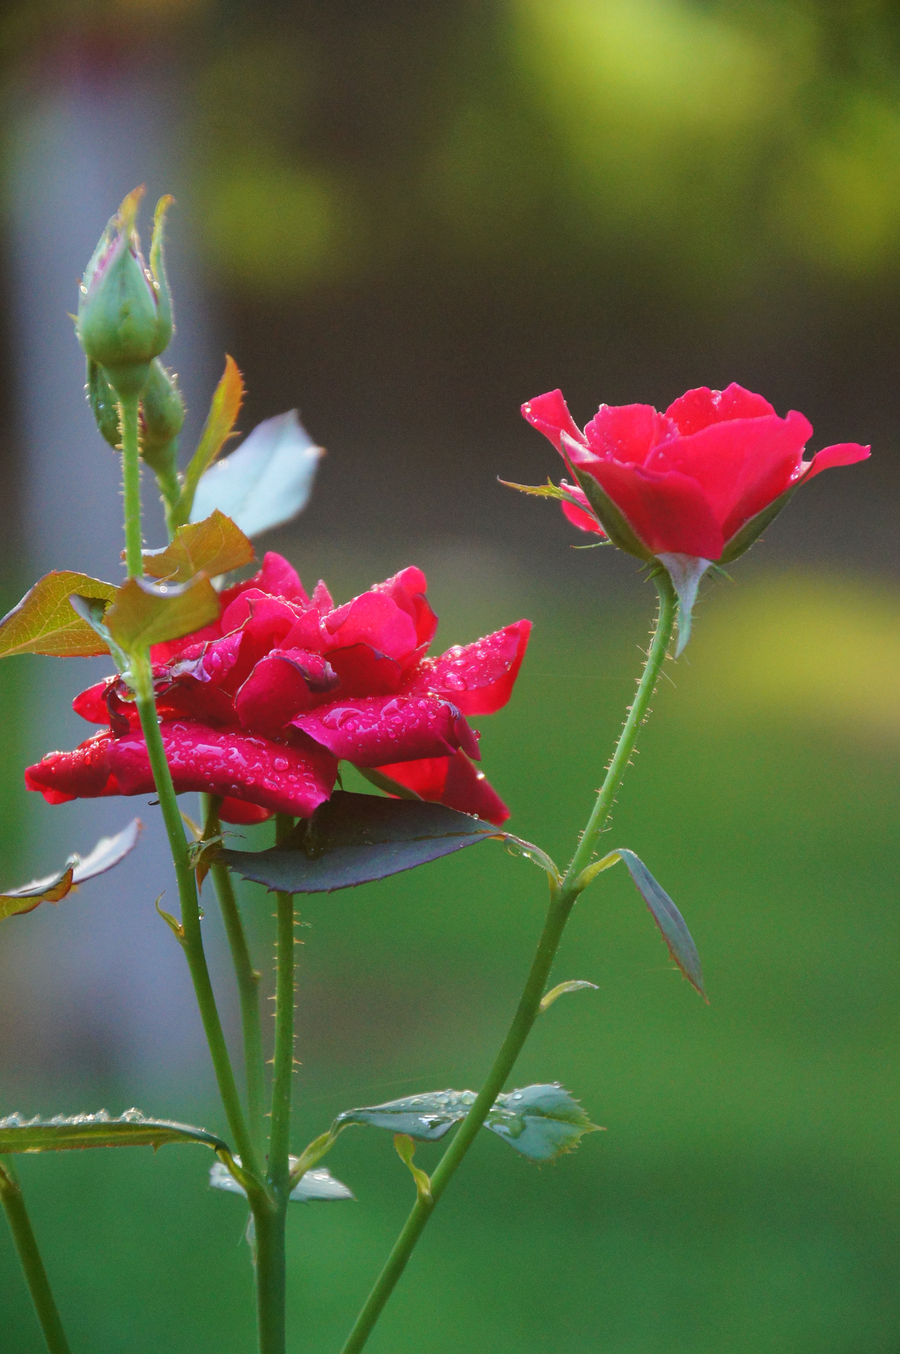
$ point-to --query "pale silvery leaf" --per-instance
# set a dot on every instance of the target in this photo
(266, 482)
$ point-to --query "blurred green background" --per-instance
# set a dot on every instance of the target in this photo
(409, 218)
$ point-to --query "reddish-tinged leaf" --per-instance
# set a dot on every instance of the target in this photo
(107, 853)
(145, 612)
(213, 546)
(44, 623)
(219, 426)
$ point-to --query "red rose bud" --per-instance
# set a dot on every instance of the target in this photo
(261, 705)
(689, 487)
(124, 309)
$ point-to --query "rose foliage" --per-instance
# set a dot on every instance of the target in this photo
(261, 706)
(695, 481)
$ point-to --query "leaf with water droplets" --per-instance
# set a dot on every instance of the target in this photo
(426, 1117)
(353, 839)
(76, 1131)
(44, 622)
(541, 1122)
(538, 1121)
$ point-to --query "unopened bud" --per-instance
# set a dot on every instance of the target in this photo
(124, 310)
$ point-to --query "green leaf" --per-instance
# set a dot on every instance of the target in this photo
(538, 1121)
(667, 917)
(92, 611)
(426, 1117)
(73, 1132)
(315, 1186)
(107, 853)
(573, 985)
(519, 847)
(541, 1122)
(213, 546)
(146, 612)
(267, 481)
(43, 622)
(219, 426)
(685, 572)
(749, 532)
(352, 839)
(612, 519)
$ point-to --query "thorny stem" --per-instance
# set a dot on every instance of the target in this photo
(270, 1216)
(561, 904)
(131, 484)
(30, 1258)
(247, 978)
(192, 938)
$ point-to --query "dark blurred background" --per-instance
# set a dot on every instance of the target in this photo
(406, 219)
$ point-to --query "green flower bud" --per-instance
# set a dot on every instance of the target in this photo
(125, 310)
(161, 417)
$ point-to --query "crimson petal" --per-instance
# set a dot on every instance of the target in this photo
(452, 781)
(370, 731)
(477, 677)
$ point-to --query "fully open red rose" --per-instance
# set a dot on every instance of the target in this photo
(701, 480)
(261, 706)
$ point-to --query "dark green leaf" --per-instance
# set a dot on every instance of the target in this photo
(107, 853)
(541, 1122)
(685, 572)
(352, 839)
(73, 1132)
(44, 622)
(146, 613)
(748, 533)
(426, 1117)
(668, 919)
(214, 546)
(266, 482)
(314, 1186)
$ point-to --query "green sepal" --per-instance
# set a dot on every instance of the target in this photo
(685, 571)
(611, 518)
(750, 531)
(104, 404)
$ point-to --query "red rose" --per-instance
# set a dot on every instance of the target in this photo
(692, 481)
(261, 706)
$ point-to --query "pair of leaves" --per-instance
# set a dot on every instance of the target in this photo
(263, 484)
(541, 1122)
(69, 615)
(314, 1186)
(354, 839)
(107, 853)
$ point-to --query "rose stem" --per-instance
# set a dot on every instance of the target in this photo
(270, 1255)
(30, 1258)
(192, 940)
(247, 979)
(561, 903)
